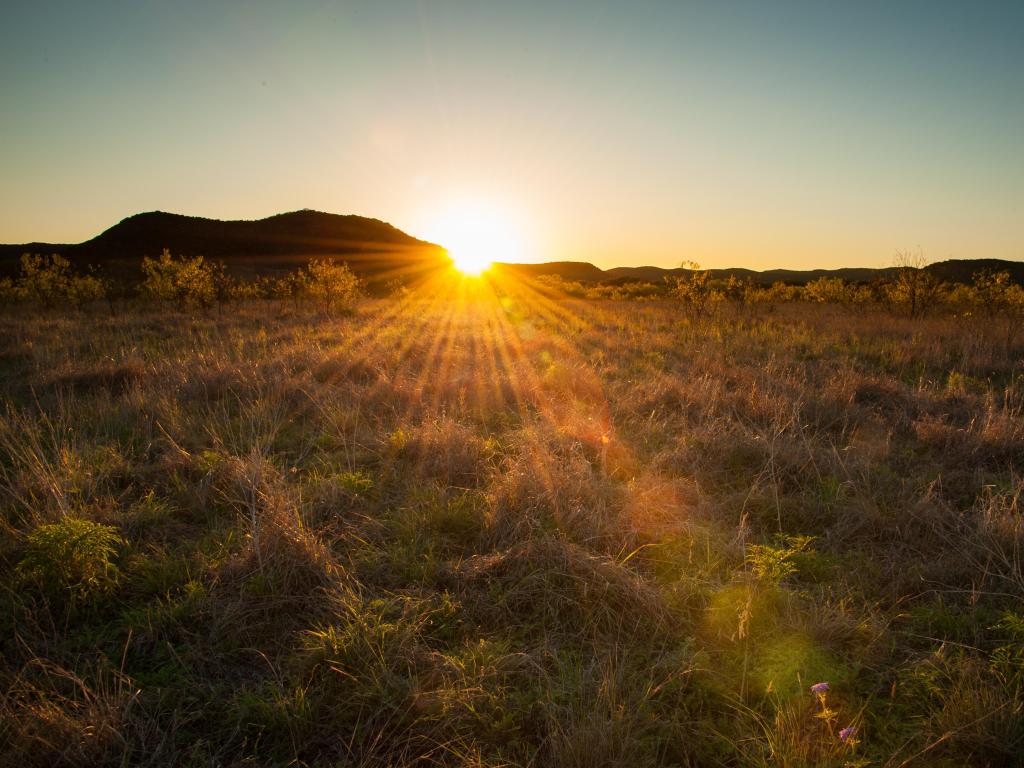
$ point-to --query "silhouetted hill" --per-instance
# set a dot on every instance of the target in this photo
(963, 270)
(794, 276)
(956, 271)
(371, 247)
(378, 251)
(582, 271)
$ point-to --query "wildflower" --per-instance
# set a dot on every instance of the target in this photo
(819, 688)
(847, 733)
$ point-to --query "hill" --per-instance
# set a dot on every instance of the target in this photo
(955, 271)
(372, 247)
(656, 274)
(567, 270)
(378, 251)
(962, 270)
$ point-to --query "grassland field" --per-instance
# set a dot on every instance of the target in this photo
(510, 529)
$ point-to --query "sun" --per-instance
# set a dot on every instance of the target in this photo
(476, 235)
(472, 262)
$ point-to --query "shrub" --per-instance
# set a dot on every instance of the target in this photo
(772, 564)
(833, 290)
(777, 292)
(188, 282)
(8, 291)
(397, 289)
(560, 286)
(1007, 660)
(73, 557)
(737, 290)
(49, 280)
(994, 294)
(333, 286)
(44, 279)
(695, 290)
(85, 288)
(914, 290)
(225, 287)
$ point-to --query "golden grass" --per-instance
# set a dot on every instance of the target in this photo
(487, 524)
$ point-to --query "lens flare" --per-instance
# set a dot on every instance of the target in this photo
(476, 235)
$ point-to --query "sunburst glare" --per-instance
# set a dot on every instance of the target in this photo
(476, 235)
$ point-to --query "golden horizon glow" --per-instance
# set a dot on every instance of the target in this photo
(476, 234)
(471, 263)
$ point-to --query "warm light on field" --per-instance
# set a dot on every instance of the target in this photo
(477, 235)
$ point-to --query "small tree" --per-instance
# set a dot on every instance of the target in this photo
(826, 290)
(914, 290)
(8, 291)
(779, 292)
(225, 286)
(293, 286)
(737, 289)
(695, 290)
(397, 289)
(262, 287)
(83, 289)
(992, 293)
(44, 279)
(994, 296)
(49, 280)
(333, 286)
(188, 282)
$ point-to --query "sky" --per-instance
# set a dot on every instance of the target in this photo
(761, 135)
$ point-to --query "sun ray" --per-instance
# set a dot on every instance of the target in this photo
(477, 234)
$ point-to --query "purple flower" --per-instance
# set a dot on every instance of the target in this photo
(819, 688)
(848, 733)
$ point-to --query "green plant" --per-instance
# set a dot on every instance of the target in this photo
(355, 482)
(186, 281)
(83, 289)
(1007, 660)
(834, 290)
(695, 290)
(73, 557)
(44, 279)
(993, 292)
(8, 291)
(225, 286)
(50, 280)
(774, 563)
(332, 286)
(914, 290)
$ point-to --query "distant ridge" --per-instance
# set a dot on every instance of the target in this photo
(953, 270)
(583, 271)
(378, 251)
(372, 247)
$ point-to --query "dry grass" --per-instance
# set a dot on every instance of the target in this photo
(494, 526)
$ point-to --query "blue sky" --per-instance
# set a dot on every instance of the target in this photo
(733, 134)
